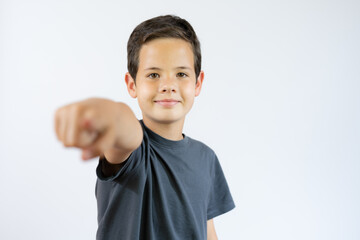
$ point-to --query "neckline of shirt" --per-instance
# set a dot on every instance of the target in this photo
(164, 142)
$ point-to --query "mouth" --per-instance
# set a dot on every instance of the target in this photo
(167, 102)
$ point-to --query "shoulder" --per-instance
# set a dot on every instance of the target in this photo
(201, 147)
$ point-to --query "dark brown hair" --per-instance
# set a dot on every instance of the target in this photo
(168, 26)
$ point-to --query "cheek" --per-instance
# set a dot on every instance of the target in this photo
(145, 95)
(144, 90)
(189, 90)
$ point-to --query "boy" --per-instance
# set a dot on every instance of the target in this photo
(153, 181)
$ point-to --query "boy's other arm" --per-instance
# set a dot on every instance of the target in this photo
(211, 234)
(99, 127)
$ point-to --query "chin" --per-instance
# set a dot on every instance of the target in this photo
(168, 119)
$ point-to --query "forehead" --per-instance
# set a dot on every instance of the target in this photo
(166, 52)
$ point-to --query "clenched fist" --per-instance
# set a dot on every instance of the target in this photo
(99, 126)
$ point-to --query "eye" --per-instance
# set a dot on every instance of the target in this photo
(153, 75)
(181, 74)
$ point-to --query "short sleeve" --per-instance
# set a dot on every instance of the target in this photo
(130, 164)
(220, 199)
(135, 158)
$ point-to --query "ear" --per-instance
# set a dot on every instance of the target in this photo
(199, 83)
(131, 86)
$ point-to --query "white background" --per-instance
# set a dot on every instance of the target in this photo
(280, 106)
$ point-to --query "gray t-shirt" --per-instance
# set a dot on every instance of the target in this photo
(164, 190)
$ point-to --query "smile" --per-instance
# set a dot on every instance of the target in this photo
(167, 102)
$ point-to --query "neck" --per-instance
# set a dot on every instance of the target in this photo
(171, 131)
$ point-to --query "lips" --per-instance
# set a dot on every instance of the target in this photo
(167, 102)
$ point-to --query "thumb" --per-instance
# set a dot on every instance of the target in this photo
(89, 132)
(87, 138)
(103, 143)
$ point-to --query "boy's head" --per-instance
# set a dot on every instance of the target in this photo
(161, 27)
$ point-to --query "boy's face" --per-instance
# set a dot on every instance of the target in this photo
(165, 82)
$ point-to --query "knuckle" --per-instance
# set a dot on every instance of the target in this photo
(75, 108)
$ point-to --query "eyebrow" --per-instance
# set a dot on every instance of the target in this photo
(156, 68)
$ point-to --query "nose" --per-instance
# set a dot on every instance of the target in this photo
(168, 85)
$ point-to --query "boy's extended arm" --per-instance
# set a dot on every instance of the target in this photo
(99, 127)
